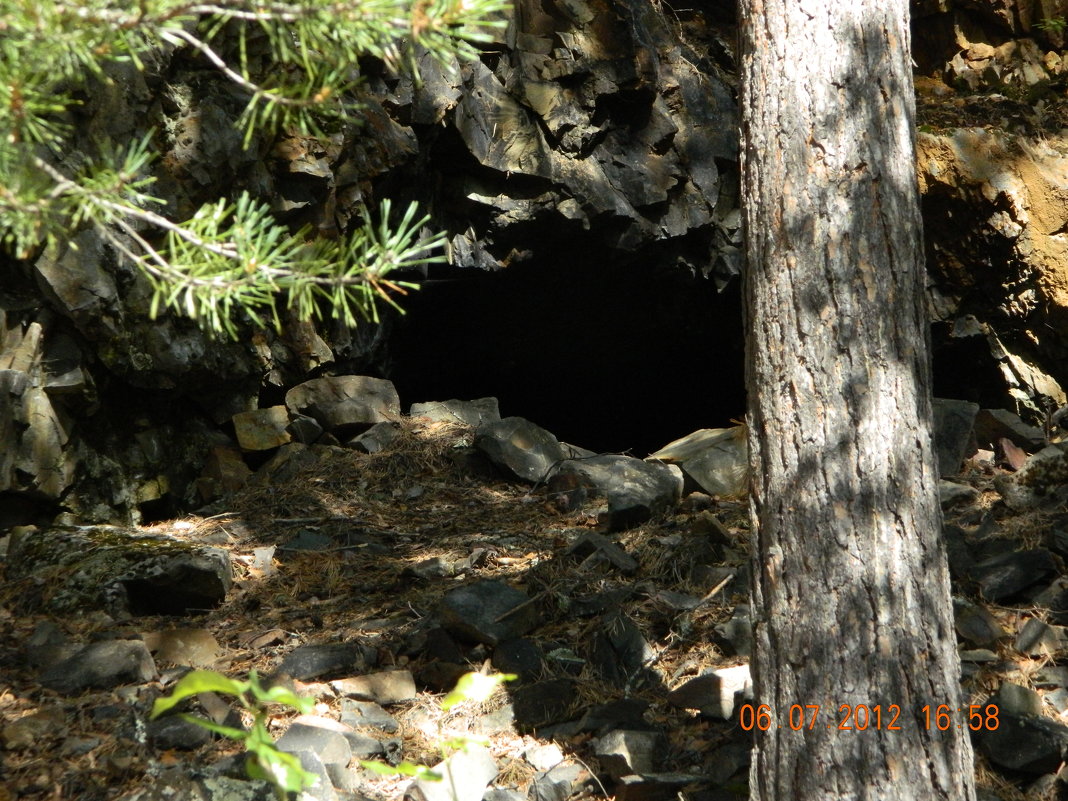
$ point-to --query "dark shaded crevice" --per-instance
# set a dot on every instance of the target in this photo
(964, 369)
(608, 356)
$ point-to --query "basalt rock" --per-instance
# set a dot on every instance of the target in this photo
(635, 489)
(520, 448)
(345, 404)
(101, 665)
(1010, 187)
(118, 570)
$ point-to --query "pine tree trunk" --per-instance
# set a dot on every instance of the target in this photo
(850, 582)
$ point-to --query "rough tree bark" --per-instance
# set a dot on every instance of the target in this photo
(850, 582)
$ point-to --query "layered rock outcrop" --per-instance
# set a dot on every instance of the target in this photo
(589, 158)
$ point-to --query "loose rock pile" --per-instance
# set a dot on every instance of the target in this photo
(378, 557)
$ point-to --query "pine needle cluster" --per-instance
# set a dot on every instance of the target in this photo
(296, 63)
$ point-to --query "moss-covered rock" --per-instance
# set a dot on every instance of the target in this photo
(120, 570)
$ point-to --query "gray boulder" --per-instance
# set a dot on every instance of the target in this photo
(101, 665)
(345, 404)
(488, 612)
(636, 490)
(472, 413)
(716, 459)
(520, 448)
(121, 571)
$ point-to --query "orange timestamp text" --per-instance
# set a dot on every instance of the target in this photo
(864, 717)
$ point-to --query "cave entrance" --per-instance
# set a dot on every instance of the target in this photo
(610, 357)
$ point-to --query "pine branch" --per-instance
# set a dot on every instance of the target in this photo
(230, 256)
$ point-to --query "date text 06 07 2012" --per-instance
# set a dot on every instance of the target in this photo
(862, 717)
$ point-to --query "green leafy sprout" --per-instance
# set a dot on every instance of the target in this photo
(282, 770)
(475, 687)
(295, 63)
(1052, 24)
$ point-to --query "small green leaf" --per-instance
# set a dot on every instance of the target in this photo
(280, 768)
(198, 681)
(462, 742)
(280, 695)
(474, 687)
(381, 768)
(403, 769)
(258, 736)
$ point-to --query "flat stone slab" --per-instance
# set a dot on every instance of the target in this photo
(321, 736)
(1040, 481)
(375, 439)
(543, 703)
(592, 544)
(175, 732)
(101, 665)
(472, 412)
(975, 624)
(520, 448)
(716, 459)
(654, 786)
(559, 783)
(193, 647)
(1038, 638)
(367, 713)
(315, 661)
(488, 612)
(522, 657)
(714, 693)
(122, 571)
(1032, 745)
(623, 753)
(992, 425)
(262, 429)
(387, 687)
(1015, 700)
(954, 435)
(636, 490)
(1008, 574)
(950, 493)
(345, 403)
(465, 777)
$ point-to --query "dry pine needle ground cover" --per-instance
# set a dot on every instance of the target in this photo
(423, 498)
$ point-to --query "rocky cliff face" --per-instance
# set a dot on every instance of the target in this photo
(991, 159)
(585, 170)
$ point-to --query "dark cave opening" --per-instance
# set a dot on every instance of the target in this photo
(608, 356)
(964, 369)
